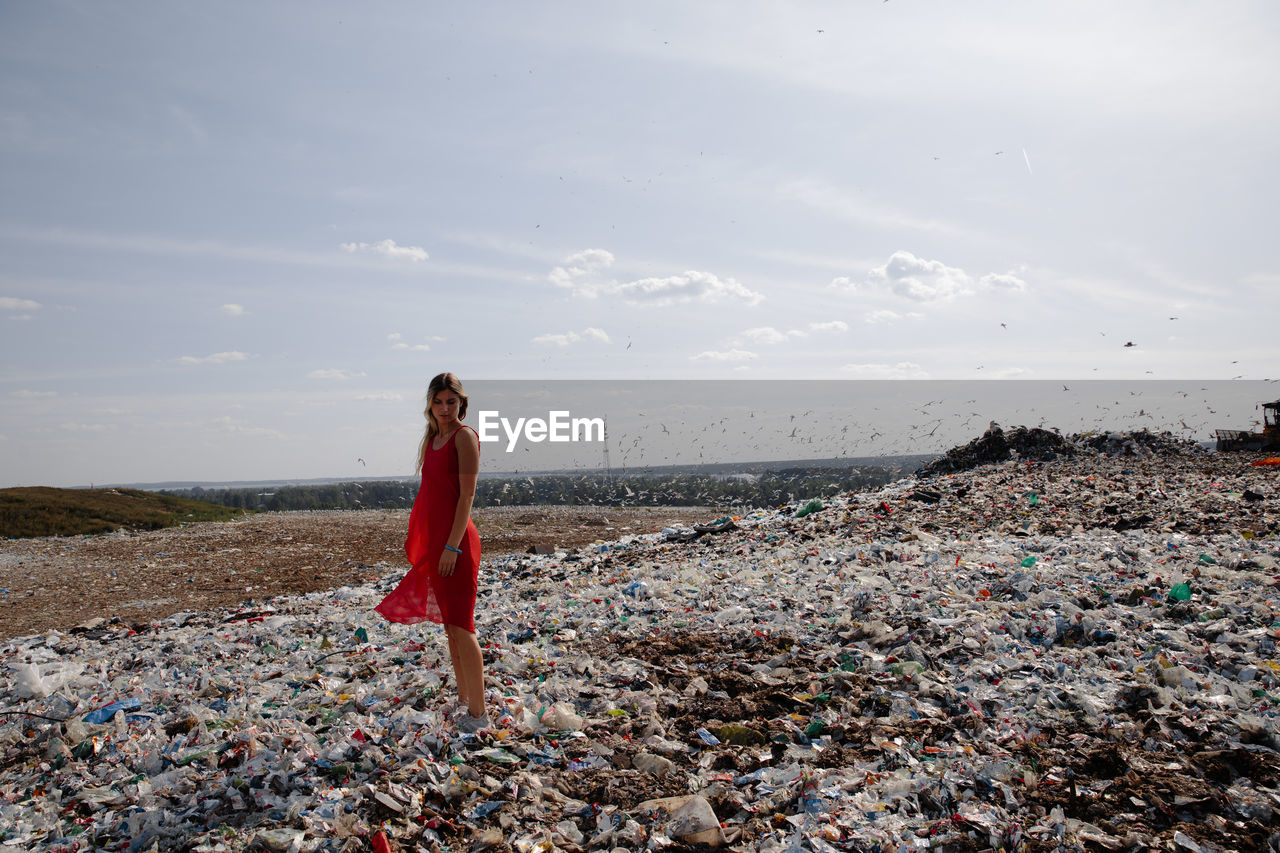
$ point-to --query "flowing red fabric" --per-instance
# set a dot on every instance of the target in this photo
(423, 595)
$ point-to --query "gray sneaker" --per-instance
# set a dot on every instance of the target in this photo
(470, 725)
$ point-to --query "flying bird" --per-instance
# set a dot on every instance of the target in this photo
(1130, 344)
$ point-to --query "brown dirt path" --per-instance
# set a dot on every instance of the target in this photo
(62, 581)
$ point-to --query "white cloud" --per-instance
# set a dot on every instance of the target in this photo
(339, 373)
(578, 268)
(882, 315)
(384, 396)
(901, 370)
(686, 287)
(922, 280)
(764, 335)
(215, 358)
(591, 333)
(728, 355)
(231, 309)
(25, 394)
(582, 274)
(830, 326)
(388, 248)
(770, 335)
(70, 427)
(397, 342)
(10, 303)
(1003, 281)
(559, 340)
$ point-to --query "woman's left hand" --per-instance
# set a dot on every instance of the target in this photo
(448, 560)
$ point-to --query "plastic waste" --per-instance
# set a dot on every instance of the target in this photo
(928, 664)
(40, 680)
(561, 717)
(106, 712)
(689, 819)
(812, 506)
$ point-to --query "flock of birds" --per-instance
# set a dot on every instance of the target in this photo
(848, 433)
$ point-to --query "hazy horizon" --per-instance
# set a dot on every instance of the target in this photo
(692, 424)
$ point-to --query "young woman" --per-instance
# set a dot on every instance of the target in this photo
(443, 546)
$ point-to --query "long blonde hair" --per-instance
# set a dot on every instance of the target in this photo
(442, 382)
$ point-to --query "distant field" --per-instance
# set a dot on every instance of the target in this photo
(43, 511)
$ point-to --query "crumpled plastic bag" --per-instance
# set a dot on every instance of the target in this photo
(561, 717)
(37, 680)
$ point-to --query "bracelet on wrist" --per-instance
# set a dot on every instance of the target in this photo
(453, 549)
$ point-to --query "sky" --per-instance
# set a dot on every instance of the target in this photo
(237, 239)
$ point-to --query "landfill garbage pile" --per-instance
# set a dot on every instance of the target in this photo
(977, 661)
(1139, 443)
(996, 445)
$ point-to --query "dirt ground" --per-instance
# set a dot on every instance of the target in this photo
(63, 581)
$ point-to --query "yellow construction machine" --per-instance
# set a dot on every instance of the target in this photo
(1268, 439)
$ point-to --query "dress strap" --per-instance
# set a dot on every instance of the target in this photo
(453, 435)
(464, 426)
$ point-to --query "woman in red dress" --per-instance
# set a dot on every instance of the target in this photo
(443, 546)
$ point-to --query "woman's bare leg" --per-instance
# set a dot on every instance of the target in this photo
(468, 668)
(453, 659)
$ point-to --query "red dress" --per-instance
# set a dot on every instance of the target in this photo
(423, 595)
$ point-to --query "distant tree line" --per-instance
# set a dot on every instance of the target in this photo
(770, 488)
(367, 494)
